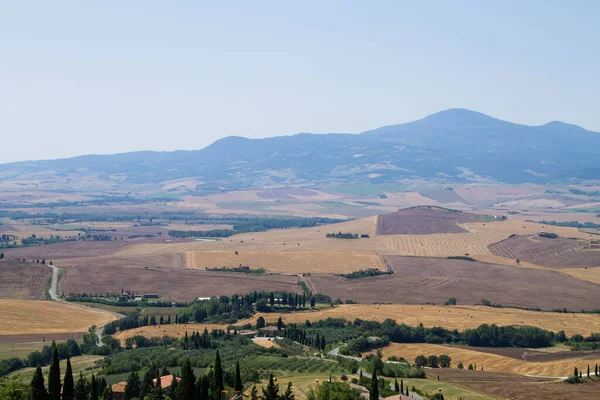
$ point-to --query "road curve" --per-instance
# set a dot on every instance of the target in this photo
(53, 295)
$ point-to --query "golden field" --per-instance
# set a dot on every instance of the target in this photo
(41, 316)
(489, 362)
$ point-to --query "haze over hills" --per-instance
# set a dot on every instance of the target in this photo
(453, 146)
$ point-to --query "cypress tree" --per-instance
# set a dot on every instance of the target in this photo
(596, 370)
(187, 386)
(173, 388)
(396, 386)
(272, 390)
(217, 384)
(238, 386)
(401, 385)
(107, 394)
(38, 389)
(68, 383)
(54, 375)
(94, 389)
(576, 373)
(288, 394)
(254, 393)
(81, 389)
(374, 391)
(588, 372)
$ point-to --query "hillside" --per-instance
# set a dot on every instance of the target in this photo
(450, 146)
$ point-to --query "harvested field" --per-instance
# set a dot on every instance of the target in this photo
(266, 343)
(23, 280)
(170, 283)
(46, 317)
(419, 280)
(492, 362)
(321, 262)
(172, 330)
(518, 387)
(585, 274)
(555, 253)
(444, 196)
(422, 221)
(544, 354)
(67, 250)
(456, 317)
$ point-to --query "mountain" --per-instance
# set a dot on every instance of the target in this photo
(455, 145)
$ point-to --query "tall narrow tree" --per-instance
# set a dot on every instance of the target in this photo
(37, 389)
(107, 394)
(271, 392)
(81, 388)
(54, 375)
(288, 394)
(374, 391)
(217, 384)
(187, 386)
(94, 389)
(396, 386)
(238, 386)
(68, 383)
(254, 393)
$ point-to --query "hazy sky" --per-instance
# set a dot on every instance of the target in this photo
(112, 76)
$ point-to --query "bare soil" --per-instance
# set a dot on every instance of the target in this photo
(423, 221)
(555, 253)
(419, 280)
(23, 280)
(170, 283)
(514, 386)
(535, 355)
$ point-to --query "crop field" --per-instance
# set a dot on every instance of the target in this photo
(455, 317)
(172, 330)
(23, 280)
(41, 317)
(183, 284)
(418, 221)
(320, 261)
(84, 364)
(493, 362)
(266, 343)
(419, 280)
(512, 386)
(555, 253)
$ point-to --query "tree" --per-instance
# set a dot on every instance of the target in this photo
(186, 389)
(312, 302)
(288, 394)
(334, 391)
(460, 365)
(54, 375)
(396, 386)
(279, 324)
(588, 371)
(1, 256)
(107, 394)
(133, 388)
(596, 370)
(38, 389)
(433, 361)
(68, 383)
(272, 299)
(173, 389)
(451, 302)
(260, 322)
(445, 361)
(81, 388)
(261, 305)
(94, 389)
(401, 385)
(470, 367)
(271, 392)
(238, 385)
(576, 373)
(420, 361)
(217, 384)
(254, 393)
(148, 381)
(374, 391)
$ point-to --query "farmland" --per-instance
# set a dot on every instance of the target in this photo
(47, 317)
(422, 221)
(454, 317)
(434, 280)
(555, 253)
(554, 367)
(23, 280)
(188, 284)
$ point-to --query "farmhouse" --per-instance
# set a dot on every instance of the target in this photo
(118, 389)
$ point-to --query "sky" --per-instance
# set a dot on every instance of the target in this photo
(79, 77)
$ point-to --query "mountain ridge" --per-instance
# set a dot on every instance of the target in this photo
(454, 145)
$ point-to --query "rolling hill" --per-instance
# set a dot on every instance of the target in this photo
(455, 146)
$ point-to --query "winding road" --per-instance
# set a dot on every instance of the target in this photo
(336, 353)
(53, 294)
